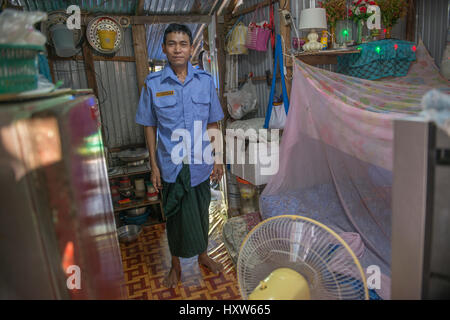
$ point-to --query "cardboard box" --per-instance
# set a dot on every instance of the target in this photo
(255, 162)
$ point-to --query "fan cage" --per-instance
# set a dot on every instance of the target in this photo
(312, 249)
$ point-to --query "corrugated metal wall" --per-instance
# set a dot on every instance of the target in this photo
(118, 93)
(155, 34)
(93, 6)
(118, 97)
(259, 62)
(72, 73)
(432, 24)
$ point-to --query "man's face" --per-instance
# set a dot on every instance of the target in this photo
(178, 48)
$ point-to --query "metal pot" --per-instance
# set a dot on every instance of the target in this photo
(136, 163)
(136, 211)
(133, 155)
(129, 233)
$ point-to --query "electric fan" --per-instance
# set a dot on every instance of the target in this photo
(297, 258)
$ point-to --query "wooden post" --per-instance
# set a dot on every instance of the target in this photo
(411, 21)
(90, 68)
(51, 64)
(140, 48)
(140, 7)
(285, 32)
(220, 45)
(140, 53)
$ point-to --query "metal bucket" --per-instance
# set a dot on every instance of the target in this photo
(107, 39)
(129, 233)
(63, 40)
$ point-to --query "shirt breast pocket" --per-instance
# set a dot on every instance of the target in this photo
(166, 109)
(201, 104)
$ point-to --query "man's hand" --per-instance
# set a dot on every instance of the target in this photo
(217, 172)
(156, 178)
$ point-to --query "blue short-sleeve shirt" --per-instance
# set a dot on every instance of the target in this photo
(181, 112)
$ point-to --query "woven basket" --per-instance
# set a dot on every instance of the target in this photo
(18, 67)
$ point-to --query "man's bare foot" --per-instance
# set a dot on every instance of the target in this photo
(172, 278)
(213, 266)
(174, 275)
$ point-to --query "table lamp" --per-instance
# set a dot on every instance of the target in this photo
(313, 19)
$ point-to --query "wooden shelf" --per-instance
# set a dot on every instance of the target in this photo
(324, 56)
(136, 204)
(130, 171)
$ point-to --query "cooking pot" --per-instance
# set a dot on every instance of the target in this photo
(136, 211)
(129, 233)
(133, 155)
(136, 163)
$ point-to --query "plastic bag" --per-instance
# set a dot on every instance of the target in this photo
(18, 27)
(436, 107)
(243, 101)
(236, 42)
(278, 116)
(258, 32)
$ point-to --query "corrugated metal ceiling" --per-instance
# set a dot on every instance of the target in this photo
(155, 32)
(92, 6)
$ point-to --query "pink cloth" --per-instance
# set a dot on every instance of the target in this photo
(354, 241)
(336, 153)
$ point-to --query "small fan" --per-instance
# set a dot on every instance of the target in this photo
(296, 258)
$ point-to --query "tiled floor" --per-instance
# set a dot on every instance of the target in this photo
(147, 261)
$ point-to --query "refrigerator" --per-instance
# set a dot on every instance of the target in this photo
(58, 236)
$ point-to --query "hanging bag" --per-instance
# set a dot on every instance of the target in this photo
(236, 38)
(252, 34)
(278, 117)
(262, 37)
(242, 101)
(277, 122)
(258, 33)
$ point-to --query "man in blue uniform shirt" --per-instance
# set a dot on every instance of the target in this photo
(177, 107)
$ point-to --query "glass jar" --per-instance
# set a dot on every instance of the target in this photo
(249, 197)
(152, 194)
(139, 184)
(125, 182)
(115, 195)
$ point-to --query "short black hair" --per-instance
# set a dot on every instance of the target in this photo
(176, 27)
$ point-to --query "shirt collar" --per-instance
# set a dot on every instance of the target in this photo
(168, 73)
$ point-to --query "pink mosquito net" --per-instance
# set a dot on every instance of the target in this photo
(336, 153)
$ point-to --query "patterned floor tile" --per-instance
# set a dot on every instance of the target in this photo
(147, 261)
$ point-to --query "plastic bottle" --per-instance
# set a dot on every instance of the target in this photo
(324, 39)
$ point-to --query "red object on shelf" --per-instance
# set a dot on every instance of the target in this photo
(124, 201)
